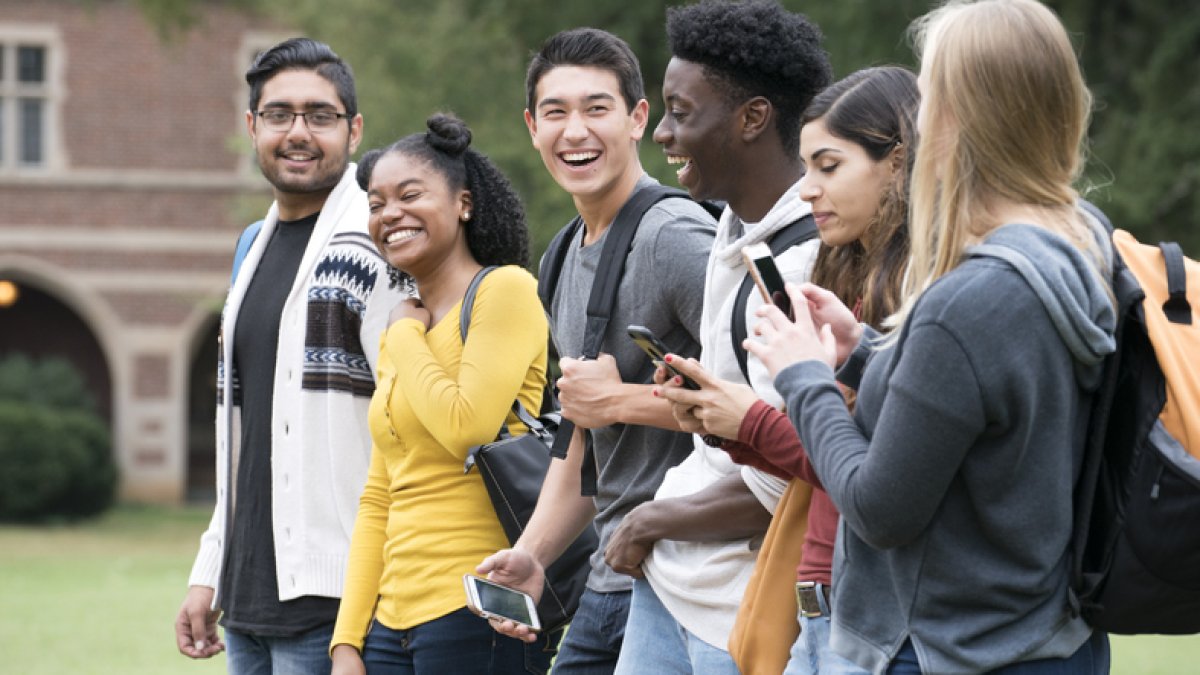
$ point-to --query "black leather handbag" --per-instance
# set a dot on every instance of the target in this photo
(513, 469)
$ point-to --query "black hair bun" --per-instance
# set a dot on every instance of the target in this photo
(366, 165)
(448, 134)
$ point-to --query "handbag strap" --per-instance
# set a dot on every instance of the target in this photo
(468, 302)
(464, 324)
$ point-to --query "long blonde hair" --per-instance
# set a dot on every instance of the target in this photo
(1004, 116)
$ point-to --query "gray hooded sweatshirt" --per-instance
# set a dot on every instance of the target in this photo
(954, 477)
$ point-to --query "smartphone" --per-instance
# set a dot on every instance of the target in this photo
(762, 268)
(489, 599)
(657, 352)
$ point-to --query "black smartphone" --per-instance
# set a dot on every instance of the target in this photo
(657, 352)
(762, 268)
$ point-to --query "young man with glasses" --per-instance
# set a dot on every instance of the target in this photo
(299, 338)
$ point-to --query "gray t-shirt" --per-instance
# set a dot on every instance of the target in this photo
(662, 289)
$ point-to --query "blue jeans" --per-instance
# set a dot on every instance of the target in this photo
(593, 640)
(811, 650)
(656, 642)
(459, 642)
(1093, 658)
(249, 654)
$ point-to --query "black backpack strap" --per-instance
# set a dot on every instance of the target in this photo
(611, 267)
(552, 261)
(603, 297)
(790, 235)
(1129, 296)
(1176, 308)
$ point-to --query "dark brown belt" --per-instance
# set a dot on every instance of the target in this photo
(806, 598)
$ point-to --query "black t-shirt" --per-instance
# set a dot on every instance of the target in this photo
(250, 593)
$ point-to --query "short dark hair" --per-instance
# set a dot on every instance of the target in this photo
(303, 54)
(755, 48)
(590, 47)
(496, 231)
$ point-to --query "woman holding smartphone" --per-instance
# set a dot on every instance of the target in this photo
(954, 477)
(854, 143)
(439, 212)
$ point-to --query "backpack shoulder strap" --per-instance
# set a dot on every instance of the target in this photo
(1129, 295)
(603, 297)
(552, 261)
(243, 247)
(611, 267)
(791, 235)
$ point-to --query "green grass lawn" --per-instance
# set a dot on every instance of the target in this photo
(101, 597)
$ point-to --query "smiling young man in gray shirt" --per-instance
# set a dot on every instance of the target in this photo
(586, 114)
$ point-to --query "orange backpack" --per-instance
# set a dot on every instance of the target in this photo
(1137, 532)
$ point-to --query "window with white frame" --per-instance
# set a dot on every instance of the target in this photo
(25, 100)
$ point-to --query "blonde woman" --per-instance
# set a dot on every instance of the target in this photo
(954, 475)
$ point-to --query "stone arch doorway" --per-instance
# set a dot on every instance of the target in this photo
(36, 323)
(200, 481)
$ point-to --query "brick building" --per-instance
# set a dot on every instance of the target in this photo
(124, 181)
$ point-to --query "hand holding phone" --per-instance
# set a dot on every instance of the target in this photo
(761, 265)
(657, 352)
(489, 599)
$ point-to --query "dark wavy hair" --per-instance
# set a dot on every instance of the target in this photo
(303, 54)
(755, 48)
(496, 231)
(876, 109)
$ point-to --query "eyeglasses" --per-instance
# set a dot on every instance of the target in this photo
(279, 119)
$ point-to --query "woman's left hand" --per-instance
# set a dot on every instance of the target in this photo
(717, 408)
(410, 308)
(781, 342)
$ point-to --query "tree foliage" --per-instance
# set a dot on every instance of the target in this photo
(1142, 59)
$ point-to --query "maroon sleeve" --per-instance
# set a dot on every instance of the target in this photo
(768, 441)
(744, 454)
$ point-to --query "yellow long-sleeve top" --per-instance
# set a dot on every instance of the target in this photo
(422, 523)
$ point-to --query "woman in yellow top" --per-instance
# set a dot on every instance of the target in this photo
(439, 212)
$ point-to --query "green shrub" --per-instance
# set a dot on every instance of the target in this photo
(52, 382)
(56, 453)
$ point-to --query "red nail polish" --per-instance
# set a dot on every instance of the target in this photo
(668, 358)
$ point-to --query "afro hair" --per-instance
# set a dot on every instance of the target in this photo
(755, 48)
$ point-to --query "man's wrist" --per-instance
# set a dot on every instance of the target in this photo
(646, 522)
(533, 550)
